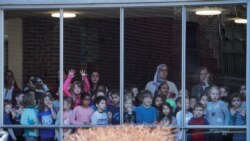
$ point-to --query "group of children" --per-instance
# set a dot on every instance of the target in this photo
(90, 103)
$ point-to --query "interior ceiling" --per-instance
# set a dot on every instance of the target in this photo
(239, 10)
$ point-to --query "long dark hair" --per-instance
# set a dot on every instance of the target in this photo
(42, 106)
(170, 115)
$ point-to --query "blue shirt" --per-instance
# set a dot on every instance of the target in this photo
(145, 115)
(45, 118)
(115, 114)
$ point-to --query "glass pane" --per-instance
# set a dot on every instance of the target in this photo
(216, 64)
(31, 71)
(152, 63)
(91, 63)
(216, 134)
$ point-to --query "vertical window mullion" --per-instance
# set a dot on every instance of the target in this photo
(183, 68)
(1, 63)
(248, 70)
(121, 63)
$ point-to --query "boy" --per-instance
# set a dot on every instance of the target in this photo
(115, 108)
(145, 113)
(100, 117)
(193, 102)
(198, 119)
(8, 111)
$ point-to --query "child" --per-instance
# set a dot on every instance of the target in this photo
(204, 101)
(217, 112)
(224, 94)
(18, 108)
(238, 115)
(168, 117)
(100, 117)
(198, 119)
(29, 117)
(8, 111)
(76, 87)
(46, 116)
(145, 113)
(129, 114)
(115, 108)
(157, 103)
(243, 93)
(81, 114)
(178, 105)
(189, 115)
(193, 101)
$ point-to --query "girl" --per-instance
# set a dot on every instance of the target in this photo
(95, 77)
(46, 116)
(168, 117)
(217, 112)
(224, 94)
(76, 87)
(157, 103)
(129, 114)
(204, 100)
(82, 114)
(29, 117)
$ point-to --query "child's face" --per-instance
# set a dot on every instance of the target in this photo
(66, 105)
(8, 108)
(102, 105)
(193, 101)
(135, 92)
(198, 112)
(115, 99)
(204, 100)
(158, 101)
(223, 92)
(163, 72)
(95, 77)
(179, 104)
(128, 104)
(77, 89)
(129, 95)
(100, 94)
(86, 101)
(20, 98)
(47, 100)
(236, 102)
(243, 90)
(165, 110)
(164, 90)
(214, 95)
(147, 101)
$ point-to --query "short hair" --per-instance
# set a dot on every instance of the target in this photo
(146, 93)
(198, 105)
(7, 102)
(236, 95)
(193, 97)
(29, 100)
(99, 99)
(69, 100)
(115, 92)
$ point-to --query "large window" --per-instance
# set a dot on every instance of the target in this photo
(154, 65)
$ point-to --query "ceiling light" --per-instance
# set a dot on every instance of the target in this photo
(65, 15)
(240, 21)
(208, 12)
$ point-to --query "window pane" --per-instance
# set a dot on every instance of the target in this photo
(216, 65)
(91, 45)
(152, 63)
(31, 70)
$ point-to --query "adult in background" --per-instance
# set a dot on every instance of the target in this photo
(160, 76)
(10, 86)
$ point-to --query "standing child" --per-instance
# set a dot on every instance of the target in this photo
(82, 114)
(193, 102)
(145, 113)
(46, 116)
(168, 117)
(29, 117)
(76, 87)
(100, 117)
(129, 114)
(8, 113)
(157, 103)
(114, 109)
(198, 119)
(204, 101)
(238, 115)
(224, 91)
(217, 112)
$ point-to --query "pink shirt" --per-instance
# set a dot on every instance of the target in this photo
(81, 115)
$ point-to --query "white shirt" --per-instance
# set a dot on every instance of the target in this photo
(99, 118)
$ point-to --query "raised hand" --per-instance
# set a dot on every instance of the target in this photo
(243, 112)
(232, 111)
(72, 73)
(83, 73)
